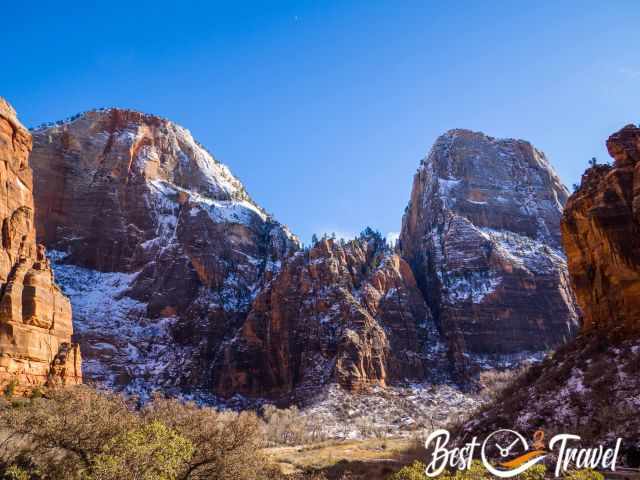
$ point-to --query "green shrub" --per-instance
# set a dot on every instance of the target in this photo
(15, 473)
(537, 472)
(584, 474)
(10, 389)
(475, 472)
(150, 452)
(415, 471)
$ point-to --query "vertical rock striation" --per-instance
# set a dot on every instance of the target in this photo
(601, 235)
(35, 317)
(589, 386)
(158, 245)
(348, 313)
(482, 233)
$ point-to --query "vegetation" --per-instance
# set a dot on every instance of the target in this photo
(416, 471)
(84, 434)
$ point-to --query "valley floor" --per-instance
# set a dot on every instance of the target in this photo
(375, 458)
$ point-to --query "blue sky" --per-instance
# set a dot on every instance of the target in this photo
(324, 109)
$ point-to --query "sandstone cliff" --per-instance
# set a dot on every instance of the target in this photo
(178, 279)
(601, 232)
(589, 387)
(482, 233)
(35, 317)
(346, 312)
(158, 245)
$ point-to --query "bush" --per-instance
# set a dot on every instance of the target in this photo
(10, 389)
(15, 473)
(289, 427)
(83, 434)
(415, 471)
(226, 445)
(67, 430)
(494, 382)
(537, 472)
(149, 452)
(585, 474)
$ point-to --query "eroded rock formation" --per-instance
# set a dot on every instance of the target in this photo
(178, 279)
(482, 234)
(601, 235)
(158, 245)
(346, 312)
(35, 317)
(589, 387)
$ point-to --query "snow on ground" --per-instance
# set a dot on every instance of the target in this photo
(405, 410)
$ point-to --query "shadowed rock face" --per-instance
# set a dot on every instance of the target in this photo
(601, 235)
(350, 313)
(160, 247)
(482, 233)
(598, 371)
(35, 317)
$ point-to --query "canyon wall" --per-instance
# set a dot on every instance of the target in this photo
(340, 312)
(482, 234)
(158, 245)
(601, 233)
(35, 317)
(589, 386)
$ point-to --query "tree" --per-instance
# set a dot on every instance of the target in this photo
(149, 452)
(314, 239)
(226, 444)
(73, 424)
(593, 162)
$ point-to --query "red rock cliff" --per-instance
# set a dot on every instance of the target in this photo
(601, 235)
(35, 317)
(158, 245)
(349, 313)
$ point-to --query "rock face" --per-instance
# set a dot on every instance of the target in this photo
(589, 387)
(601, 235)
(482, 233)
(35, 317)
(178, 279)
(158, 245)
(350, 313)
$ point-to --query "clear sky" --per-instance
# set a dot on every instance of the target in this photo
(324, 109)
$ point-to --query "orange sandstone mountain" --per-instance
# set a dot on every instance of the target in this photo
(35, 317)
(601, 232)
(158, 245)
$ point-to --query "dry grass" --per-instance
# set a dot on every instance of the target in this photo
(371, 458)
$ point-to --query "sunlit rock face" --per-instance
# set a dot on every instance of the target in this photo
(597, 371)
(158, 245)
(482, 234)
(349, 313)
(35, 317)
(601, 235)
